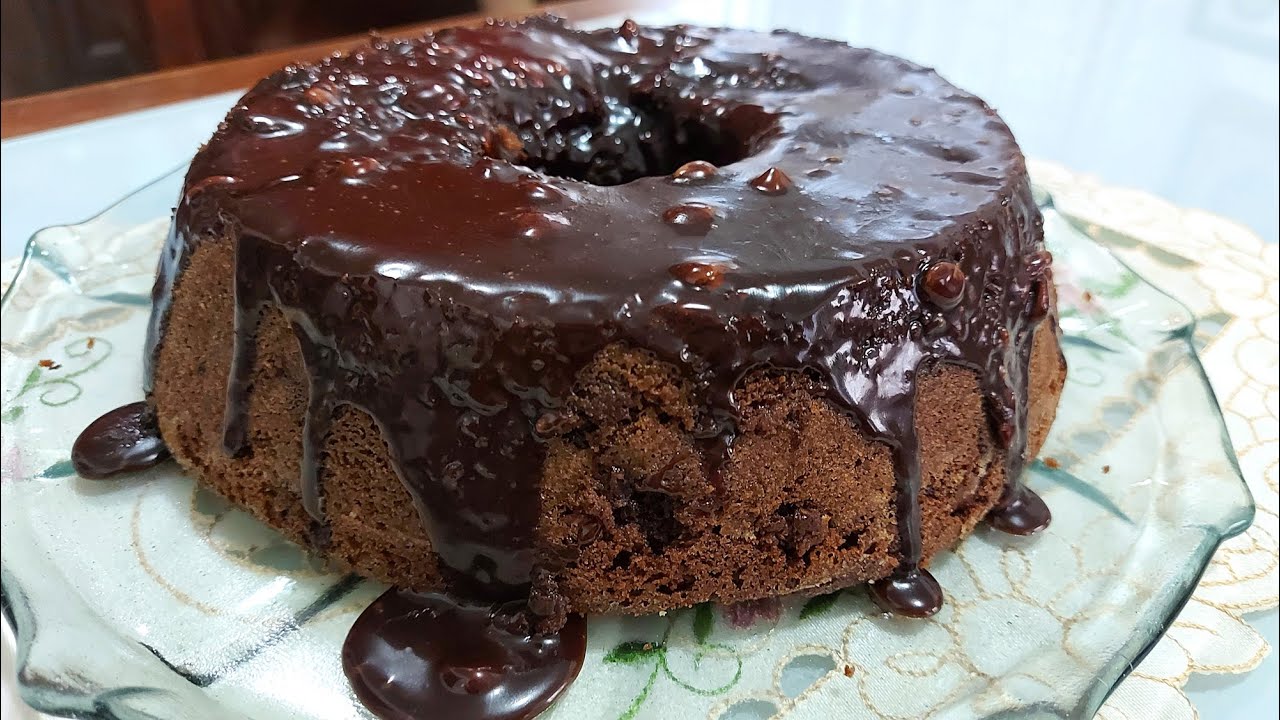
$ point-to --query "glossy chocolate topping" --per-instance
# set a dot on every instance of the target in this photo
(123, 440)
(914, 593)
(455, 225)
(412, 655)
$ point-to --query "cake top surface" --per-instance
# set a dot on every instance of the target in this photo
(545, 166)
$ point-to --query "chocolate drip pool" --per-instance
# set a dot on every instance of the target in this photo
(412, 655)
(455, 225)
(123, 440)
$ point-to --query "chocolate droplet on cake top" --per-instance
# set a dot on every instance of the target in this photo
(690, 218)
(944, 283)
(697, 274)
(694, 171)
(539, 192)
(354, 168)
(126, 439)
(534, 225)
(628, 30)
(771, 182)
(322, 93)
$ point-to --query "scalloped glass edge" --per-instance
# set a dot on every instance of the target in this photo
(1231, 525)
(146, 683)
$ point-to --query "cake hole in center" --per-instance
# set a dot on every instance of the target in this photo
(639, 136)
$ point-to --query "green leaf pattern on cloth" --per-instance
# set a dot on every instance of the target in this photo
(57, 384)
(655, 652)
(818, 605)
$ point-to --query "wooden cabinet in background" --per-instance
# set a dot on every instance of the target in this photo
(51, 44)
(47, 44)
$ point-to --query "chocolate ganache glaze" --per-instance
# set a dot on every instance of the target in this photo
(424, 655)
(455, 225)
(123, 440)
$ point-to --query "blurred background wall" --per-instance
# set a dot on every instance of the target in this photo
(51, 44)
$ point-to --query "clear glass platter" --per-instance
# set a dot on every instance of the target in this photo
(151, 598)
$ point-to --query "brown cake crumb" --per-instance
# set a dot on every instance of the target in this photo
(1052, 463)
(1106, 469)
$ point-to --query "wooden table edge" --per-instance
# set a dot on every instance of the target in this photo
(45, 111)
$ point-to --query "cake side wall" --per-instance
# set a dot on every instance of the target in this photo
(374, 527)
(625, 517)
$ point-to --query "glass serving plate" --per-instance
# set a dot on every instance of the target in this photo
(151, 598)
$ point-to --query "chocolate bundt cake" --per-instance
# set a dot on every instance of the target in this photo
(618, 321)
